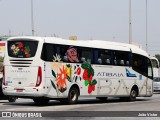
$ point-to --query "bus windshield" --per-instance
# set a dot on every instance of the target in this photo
(22, 49)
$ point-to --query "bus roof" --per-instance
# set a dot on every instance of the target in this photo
(88, 43)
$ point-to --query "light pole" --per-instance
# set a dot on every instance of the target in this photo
(130, 24)
(32, 18)
(146, 28)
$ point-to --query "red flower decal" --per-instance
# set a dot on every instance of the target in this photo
(91, 88)
(27, 55)
(78, 71)
(86, 75)
(20, 45)
(25, 50)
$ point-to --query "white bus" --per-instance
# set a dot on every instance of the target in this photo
(155, 65)
(45, 68)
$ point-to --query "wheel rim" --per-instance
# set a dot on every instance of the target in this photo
(73, 95)
(133, 94)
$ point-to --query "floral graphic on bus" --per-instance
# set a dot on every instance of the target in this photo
(69, 71)
(57, 58)
(56, 64)
(88, 77)
(62, 76)
(72, 54)
(77, 72)
(15, 49)
(20, 49)
(61, 79)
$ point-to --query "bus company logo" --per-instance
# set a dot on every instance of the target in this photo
(129, 74)
(106, 74)
(20, 71)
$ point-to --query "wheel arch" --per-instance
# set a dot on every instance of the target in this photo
(135, 87)
(75, 86)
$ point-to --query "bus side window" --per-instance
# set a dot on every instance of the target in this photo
(86, 55)
(72, 54)
(99, 61)
(95, 57)
(121, 57)
(122, 62)
(127, 63)
(142, 65)
(83, 60)
(65, 59)
(108, 61)
(48, 51)
(115, 62)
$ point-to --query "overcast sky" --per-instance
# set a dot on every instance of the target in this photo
(86, 19)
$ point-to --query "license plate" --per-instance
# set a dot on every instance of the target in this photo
(19, 90)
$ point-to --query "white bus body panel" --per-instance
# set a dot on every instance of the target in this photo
(111, 81)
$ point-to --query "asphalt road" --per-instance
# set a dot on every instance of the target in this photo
(143, 108)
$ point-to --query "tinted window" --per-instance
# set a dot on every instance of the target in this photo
(142, 65)
(85, 55)
(121, 58)
(66, 53)
(22, 49)
(48, 51)
(102, 56)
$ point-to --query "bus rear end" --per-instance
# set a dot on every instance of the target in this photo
(22, 73)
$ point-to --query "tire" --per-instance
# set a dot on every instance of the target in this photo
(41, 101)
(73, 96)
(133, 95)
(102, 98)
(12, 99)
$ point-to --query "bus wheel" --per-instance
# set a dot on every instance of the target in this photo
(102, 98)
(133, 95)
(41, 101)
(73, 96)
(12, 99)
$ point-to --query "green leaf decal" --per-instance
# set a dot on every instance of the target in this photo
(76, 79)
(68, 78)
(85, 66)
(89, 72)
(92, 71)
(68, 65)
(53, 73)
(94, 82)
(86, 82)
(27, 48)
(74, 67)
(80, 78)
(53, 84)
